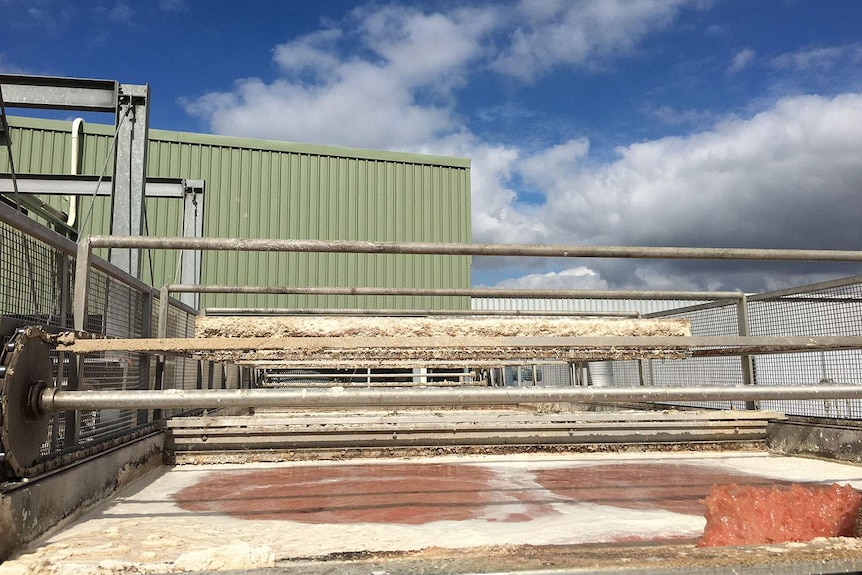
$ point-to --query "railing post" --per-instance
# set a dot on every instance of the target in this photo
(82, 284)
(747, 361)
(143, 359)
(79, 316)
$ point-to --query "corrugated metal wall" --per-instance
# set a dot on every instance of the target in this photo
(262, 189)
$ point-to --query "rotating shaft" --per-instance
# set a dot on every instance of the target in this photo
(53, 400)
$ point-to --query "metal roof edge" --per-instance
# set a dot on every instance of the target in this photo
(254, 144)
(57, 125)
(313, 149)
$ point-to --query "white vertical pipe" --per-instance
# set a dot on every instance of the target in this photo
(77, 142)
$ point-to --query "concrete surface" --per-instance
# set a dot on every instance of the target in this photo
(255, 515)
(31, 509)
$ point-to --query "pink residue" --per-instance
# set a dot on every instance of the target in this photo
(753, 515)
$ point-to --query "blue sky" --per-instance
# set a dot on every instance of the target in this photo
(611, 122)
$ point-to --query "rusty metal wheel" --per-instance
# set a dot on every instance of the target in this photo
(27, 370)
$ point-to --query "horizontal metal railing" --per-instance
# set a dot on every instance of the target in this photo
(741, 344)
(52, 400)
(429, 248)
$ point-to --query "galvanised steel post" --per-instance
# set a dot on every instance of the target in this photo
(747, 360)
(82, 283)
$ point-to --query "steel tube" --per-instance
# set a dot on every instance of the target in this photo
(53, 400)
(474, 292)
(427, 248)
(269, 312)
(403, 376)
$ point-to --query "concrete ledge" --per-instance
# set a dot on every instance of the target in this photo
(827, 439)
(32, 509)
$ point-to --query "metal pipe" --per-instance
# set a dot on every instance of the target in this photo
(474, 292)
(228, 311)
(329, 376)
(53, 400)
(75, 166)
(454, 249)
(273, 384)
(388, 364)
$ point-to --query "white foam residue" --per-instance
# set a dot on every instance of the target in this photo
(144, 526)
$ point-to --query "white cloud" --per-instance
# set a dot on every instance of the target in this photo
(581, 278)
(740, 61)
(784, 176)
(581, 33)
(553, 165)
(788, 177)
(314, 53)
(389, 99)
(818, 58)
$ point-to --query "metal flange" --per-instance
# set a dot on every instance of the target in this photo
(27, 373)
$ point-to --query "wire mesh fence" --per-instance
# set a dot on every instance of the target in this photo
(831, 308)
(37, 288)
(828, 309)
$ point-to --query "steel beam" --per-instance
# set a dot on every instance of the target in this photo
(53, 93)
(130, 169)
(63, 185)
(53, 400)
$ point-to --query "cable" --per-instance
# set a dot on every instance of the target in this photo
(185, 234)
(108, 156)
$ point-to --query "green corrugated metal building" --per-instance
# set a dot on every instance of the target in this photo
(266, 189)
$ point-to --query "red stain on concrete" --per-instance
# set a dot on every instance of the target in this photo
(672, 487)
(422, 493)
(409, 494)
